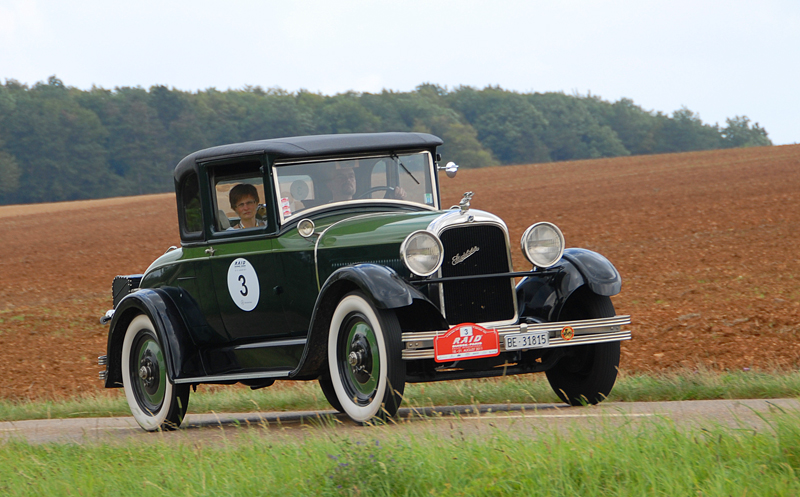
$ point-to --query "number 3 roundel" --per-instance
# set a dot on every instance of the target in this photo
(243, 284)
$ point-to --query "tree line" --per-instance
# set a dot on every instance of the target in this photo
(62, 143)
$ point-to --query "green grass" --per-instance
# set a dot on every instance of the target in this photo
(515, 389)
(650, 458)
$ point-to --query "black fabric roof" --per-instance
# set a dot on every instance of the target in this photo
(312, 146)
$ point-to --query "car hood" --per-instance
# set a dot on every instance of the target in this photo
(375, 229)
(375, 238)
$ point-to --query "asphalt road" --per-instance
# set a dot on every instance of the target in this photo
(522, 420)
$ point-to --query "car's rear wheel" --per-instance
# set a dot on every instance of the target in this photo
(364, 359)
(587, 373)
(155, 402)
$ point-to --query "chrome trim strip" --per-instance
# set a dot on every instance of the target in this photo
(419, 345)
(277, 343)
(455, 217)
(237, 377)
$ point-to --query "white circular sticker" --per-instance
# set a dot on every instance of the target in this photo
(243, 284)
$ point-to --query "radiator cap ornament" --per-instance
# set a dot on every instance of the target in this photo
(464, 204)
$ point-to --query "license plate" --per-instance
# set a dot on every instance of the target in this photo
(530, 340)
(466, 341)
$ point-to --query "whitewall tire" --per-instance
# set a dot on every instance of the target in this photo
(155, 402)
(364, 359)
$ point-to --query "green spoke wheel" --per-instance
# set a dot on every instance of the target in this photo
(364, 359)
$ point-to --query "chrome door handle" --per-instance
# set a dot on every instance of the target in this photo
(210, 251)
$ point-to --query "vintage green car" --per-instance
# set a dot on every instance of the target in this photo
(330, 258)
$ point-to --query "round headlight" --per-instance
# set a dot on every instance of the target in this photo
(422, 253)
(543, 244)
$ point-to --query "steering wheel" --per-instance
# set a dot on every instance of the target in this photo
(376, 189)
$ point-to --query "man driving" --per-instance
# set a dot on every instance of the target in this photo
(342, 184)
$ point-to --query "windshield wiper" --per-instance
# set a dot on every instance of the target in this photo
(394, 156)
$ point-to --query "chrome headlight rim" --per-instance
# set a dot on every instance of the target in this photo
(524, 245)
(407, 262)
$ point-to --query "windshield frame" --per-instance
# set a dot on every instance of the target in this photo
(306, 212)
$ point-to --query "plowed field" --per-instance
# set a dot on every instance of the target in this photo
(707, 244)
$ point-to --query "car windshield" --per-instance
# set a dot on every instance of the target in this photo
(387, 178)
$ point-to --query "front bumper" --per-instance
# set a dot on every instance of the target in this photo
(419, 345)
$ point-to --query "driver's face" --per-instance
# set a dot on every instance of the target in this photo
(246, 208)
(343, 183)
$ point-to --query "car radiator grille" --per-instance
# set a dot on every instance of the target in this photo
(476, 249)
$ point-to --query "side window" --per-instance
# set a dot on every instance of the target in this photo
(241, 203)
(190, 196)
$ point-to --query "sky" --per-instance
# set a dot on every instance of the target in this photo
(719, 59)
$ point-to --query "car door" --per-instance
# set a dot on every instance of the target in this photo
(245, 274)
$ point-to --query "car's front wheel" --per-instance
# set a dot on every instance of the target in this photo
(155, 402)
(587, 373)
(326, 384)
(364, 359)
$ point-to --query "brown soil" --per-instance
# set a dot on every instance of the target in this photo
(706, 243)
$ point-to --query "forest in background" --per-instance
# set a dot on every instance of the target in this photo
(62, 143)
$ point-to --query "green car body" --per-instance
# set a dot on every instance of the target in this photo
(329, 258)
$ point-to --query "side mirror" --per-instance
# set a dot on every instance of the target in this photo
(450, 169)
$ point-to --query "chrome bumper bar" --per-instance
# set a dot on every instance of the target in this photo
(419, 345)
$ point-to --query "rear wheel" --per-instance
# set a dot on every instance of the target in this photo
(587, 373)
(364, 359)
(155, 402)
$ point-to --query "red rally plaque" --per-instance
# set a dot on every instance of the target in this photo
(466, 341)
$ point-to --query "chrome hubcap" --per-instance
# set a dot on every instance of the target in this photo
(146, 372)
(356, 359)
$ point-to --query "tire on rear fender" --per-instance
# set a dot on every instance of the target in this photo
(587, 373)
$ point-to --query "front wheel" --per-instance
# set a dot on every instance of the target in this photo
(587, 373)
(326, 384)
(365, 359)
(155, 402)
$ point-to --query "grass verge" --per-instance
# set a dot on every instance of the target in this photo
(651, 458)
(515, 389)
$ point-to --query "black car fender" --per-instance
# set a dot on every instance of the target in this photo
(385, 289)
(543, 297)
(169, 326)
